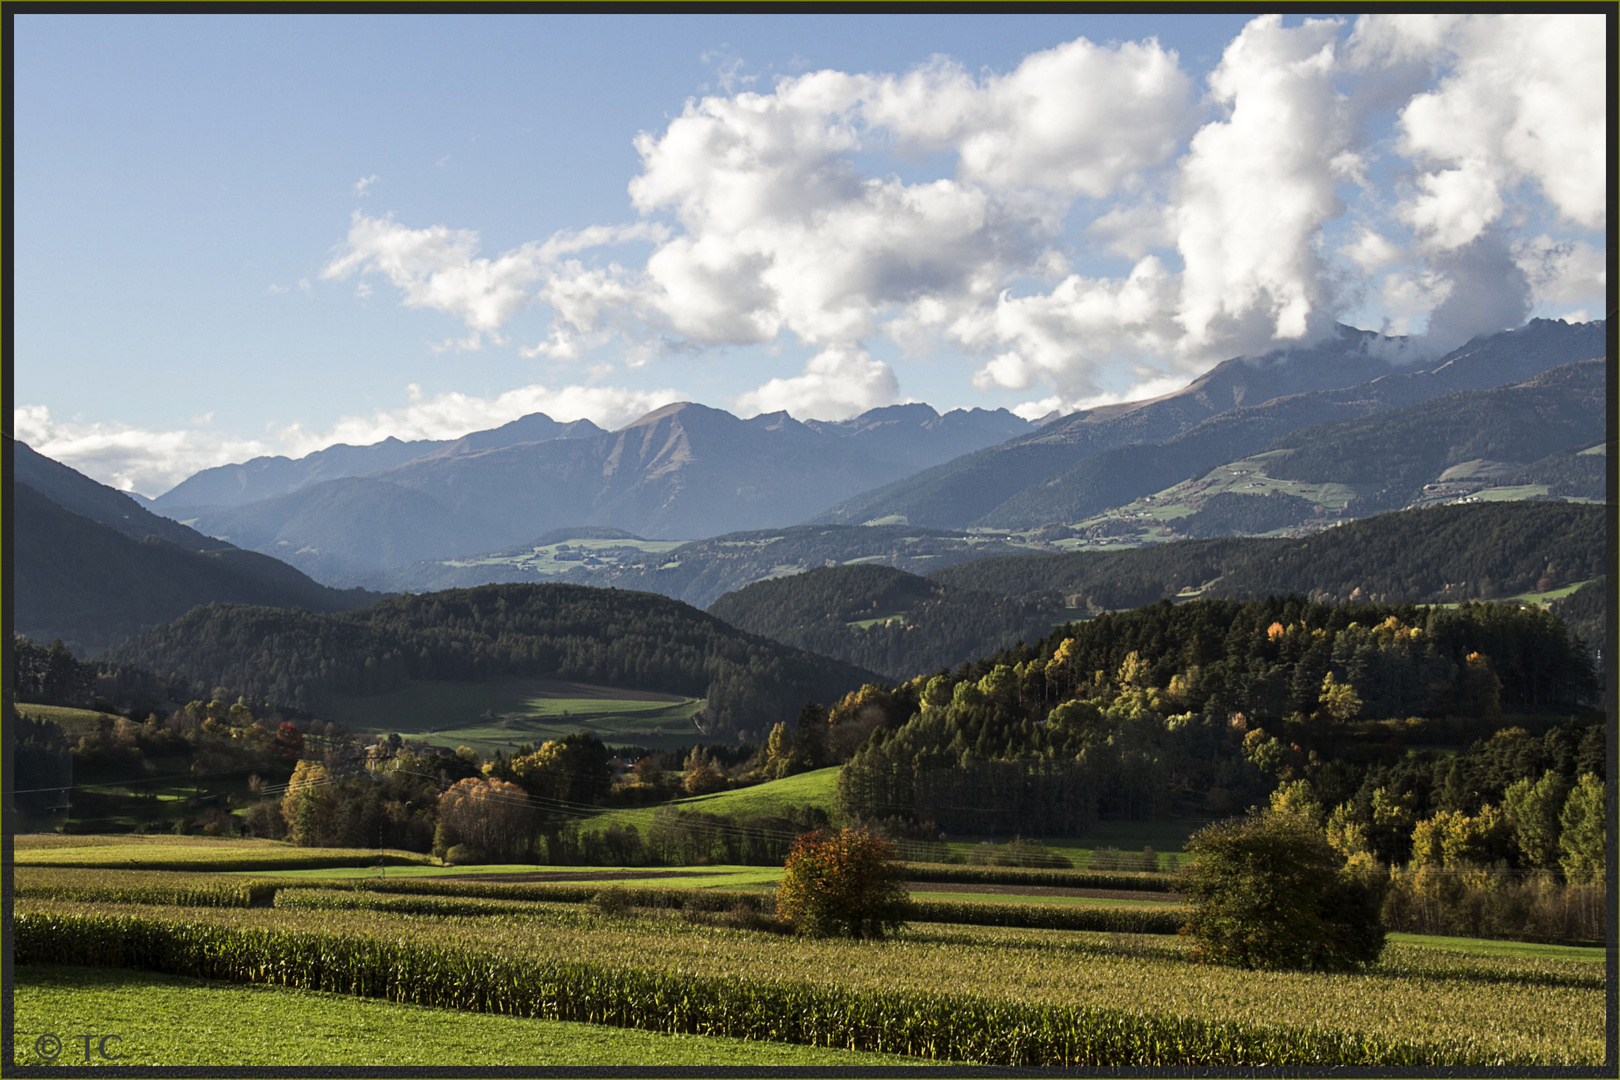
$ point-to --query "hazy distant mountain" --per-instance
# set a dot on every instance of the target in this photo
(91, 567)
(267, 477)
(1027, 481)
(683, 471)
(346, 526)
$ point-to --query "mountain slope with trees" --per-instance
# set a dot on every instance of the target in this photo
(1437, 555)
(92, 581)
(606, 636)
(897, 624)
(1014, 484)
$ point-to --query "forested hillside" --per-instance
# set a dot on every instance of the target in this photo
(898, 624)
(91, 585)
(1435, 555)
(1204, 707)
(1439, 555)
(604, 636)
(1393, 455)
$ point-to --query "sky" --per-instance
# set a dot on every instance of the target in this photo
(241, 235)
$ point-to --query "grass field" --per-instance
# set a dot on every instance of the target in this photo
(504, 714)
(75, 722)
(816, 788)
(200, 853)
(175, 1021)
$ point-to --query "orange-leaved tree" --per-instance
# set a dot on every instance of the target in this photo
(844, 882)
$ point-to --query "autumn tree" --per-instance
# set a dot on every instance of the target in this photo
(842, 883)
(702, 774)
(1270, 892)
(488, 819)
(307, 804)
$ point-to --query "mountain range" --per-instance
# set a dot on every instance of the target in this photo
(1282, 444)
(348, 514)
(1086, 462)
(681, 472)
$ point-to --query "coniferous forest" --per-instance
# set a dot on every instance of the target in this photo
(294, 658)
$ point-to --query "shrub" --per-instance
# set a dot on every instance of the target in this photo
(842, 883)
(463, 855)
(1270, 892)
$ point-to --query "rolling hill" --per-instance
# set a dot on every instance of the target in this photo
(608, 637)
(903, 625)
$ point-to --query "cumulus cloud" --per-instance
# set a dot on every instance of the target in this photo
(1563, 272)
(439, 268)
(1518, 105)
(1488, 292)
(1065, 336)
(837, 383)
(1080, 118)
(362, 186)
(766, 222)
(1370, 251)
(1257, 187)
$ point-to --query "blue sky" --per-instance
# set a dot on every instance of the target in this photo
(242, 235)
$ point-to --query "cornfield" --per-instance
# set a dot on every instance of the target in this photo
(1019, 997)
(953, 1026)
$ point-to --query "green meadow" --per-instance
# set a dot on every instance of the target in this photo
(505, 714)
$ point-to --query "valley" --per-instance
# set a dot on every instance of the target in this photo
(1042, 704)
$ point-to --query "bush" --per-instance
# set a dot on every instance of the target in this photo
(463, 855)
(1271, 892)
(842, 883)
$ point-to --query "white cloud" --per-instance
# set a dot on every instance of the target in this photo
(1067, 336)
(1079, 118)
(130, 458)
(1523, 101)
(1408, 297)
(437, 268)
(152, 462)
(836, 383)
(1563, 271)
(1256, 188)
(1370, 251)
(767, 224)
(362, 187)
